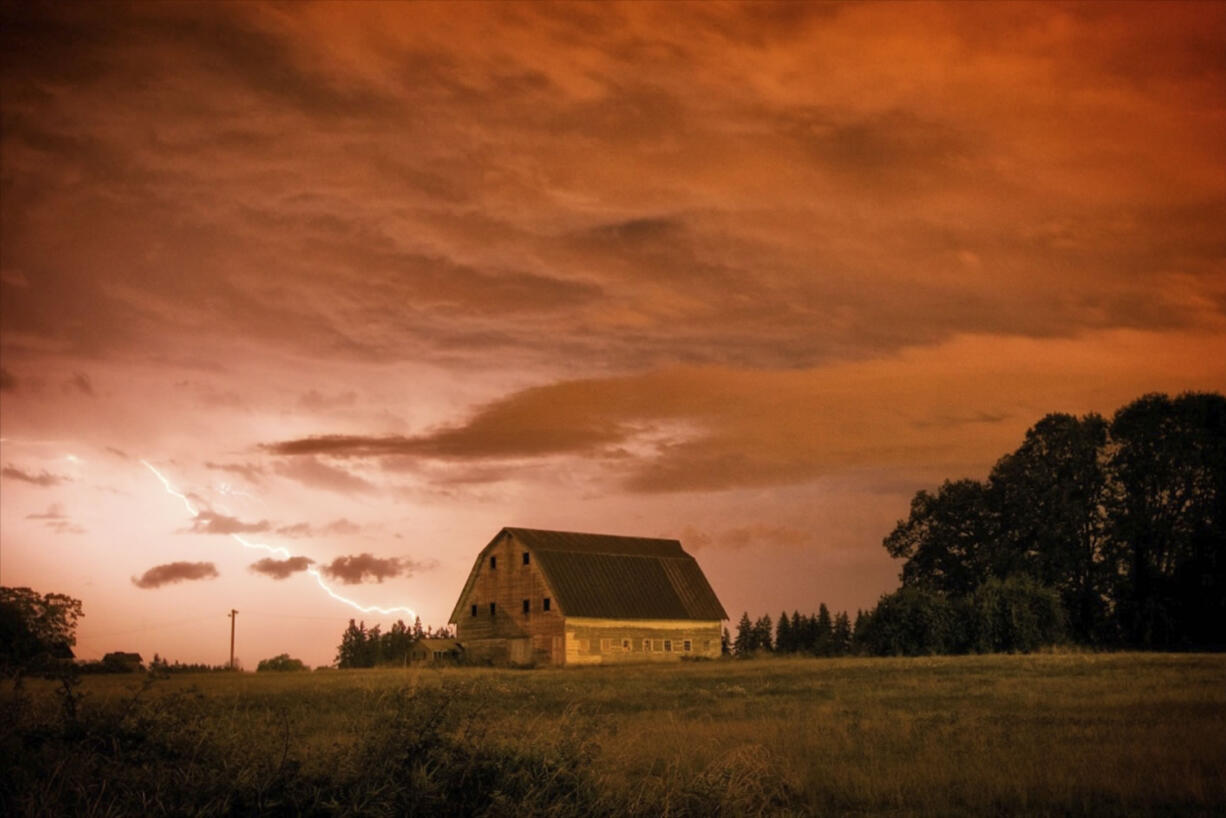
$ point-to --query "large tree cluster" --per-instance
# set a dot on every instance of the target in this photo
(1108, 532)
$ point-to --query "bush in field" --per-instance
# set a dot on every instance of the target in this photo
(281, 662)
(914, 622)
(1016, 615)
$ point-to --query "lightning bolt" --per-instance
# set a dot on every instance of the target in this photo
(279, 551)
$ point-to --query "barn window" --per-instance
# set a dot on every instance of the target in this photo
(668, 646)
(493, 562)
(527, 558)
(688, 645)
(625, 646)
(527, 606)
(606, 645)
(656, 645)
(474, 610)
(545, 607)
(594, 646)
(493, 608)
(646, 646)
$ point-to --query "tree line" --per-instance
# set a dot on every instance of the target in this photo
(818, 634)
(1099, 532)
(362, 647)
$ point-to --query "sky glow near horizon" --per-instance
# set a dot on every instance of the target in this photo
(369, 282)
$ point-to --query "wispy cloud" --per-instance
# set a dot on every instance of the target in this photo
(42, 478)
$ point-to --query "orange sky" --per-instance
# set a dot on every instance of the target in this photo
(377, 280)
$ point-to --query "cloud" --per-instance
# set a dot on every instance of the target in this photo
(338, 527)
(280, 569)
(311, 472)
(250, 471)
(352, 570)
(173, 572)
(8, 382)
(55, 511)
(43, 478)
(715, 428)
(740, 537)
(210, 522)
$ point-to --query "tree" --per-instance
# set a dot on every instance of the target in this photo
(841, 642)
(352, 650)
(36, 629)
(1051, 494)
(281, 663)
(823, 637)
(725, 643)
(1015, 615)
(744, 644)
(946, 540)
(1168, 519)
(762, 633)
(783, 634)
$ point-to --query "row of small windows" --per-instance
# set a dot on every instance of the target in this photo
(545, 606)
(527, 560)
(605, 645)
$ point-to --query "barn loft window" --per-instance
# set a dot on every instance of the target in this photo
(493, 608)
(474, 610)
(646, 646)
(687, 645)
(527, 558)
(545, 607)
(493, 562)
(625, 646)
(668, 646)
(527, 606)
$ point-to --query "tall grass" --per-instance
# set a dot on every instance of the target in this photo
(1075, 734)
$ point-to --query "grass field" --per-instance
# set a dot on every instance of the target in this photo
(1048, 734)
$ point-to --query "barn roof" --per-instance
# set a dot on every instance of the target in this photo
(610, 577)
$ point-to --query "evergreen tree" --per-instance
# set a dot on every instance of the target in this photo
(859, 634)
(842, 635)
(725, 643)
(823, 638)
(763, 633)
(798, 632)
(783, 634)
(744, 644)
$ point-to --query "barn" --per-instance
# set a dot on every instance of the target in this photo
(565, 598)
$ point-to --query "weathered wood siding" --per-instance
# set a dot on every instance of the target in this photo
(620, 641)
(508, 583)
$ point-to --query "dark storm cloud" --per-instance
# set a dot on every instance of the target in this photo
(352, 570)
(210, 522)
(173, 572)
(732, 195)
(44, 478)
(280, 569)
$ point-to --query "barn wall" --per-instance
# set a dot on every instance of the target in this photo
(601, 641)
(507, 585)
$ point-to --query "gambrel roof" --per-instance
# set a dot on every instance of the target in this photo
(610, 577)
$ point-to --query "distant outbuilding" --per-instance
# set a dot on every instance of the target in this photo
(566, 598)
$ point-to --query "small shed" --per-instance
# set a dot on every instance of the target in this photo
(434, 651)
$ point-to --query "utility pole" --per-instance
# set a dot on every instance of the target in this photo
(233, 613)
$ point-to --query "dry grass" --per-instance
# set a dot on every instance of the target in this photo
(1070, 734)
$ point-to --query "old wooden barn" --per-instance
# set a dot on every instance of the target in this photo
(564, 598)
